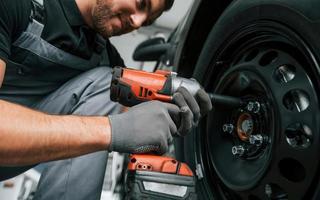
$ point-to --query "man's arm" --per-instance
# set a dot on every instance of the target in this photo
(30, 137)
(2, 70)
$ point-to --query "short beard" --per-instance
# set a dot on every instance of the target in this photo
(102, 13)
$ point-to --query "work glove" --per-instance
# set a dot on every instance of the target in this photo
(191, 108)
(144, 128)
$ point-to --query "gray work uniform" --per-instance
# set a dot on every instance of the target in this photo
(45, 78)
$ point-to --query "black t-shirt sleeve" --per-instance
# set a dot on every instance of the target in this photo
(13, 20)
(6, 24)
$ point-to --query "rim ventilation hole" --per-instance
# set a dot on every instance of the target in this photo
(268, 58)
(274, 191)
(296, 100)
(253, 53)
(292, 170)
(284, 73)
(298, 135)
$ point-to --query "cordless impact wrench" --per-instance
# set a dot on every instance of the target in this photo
(151, 176)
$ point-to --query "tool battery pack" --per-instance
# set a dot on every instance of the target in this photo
(158, 178)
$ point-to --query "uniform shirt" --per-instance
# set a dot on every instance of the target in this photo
(64, 28)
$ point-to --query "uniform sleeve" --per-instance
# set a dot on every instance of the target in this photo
(13, 20)
(6, 24)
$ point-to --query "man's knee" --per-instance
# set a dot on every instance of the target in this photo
(86, 94)
(97, 75)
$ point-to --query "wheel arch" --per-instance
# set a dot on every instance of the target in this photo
(202, 18)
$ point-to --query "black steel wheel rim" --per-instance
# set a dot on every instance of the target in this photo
(268, 63)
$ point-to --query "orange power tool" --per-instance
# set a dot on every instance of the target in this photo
(158, 178)
(131, 87)
(150, 176)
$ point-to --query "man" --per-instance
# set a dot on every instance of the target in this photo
(55, 72)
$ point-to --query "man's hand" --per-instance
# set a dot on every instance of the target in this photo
(191, 107)
(147, 127)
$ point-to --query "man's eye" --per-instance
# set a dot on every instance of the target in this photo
(142, 4)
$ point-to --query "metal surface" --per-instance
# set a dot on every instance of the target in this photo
(238, 150)
(228, 128)
(163, 188)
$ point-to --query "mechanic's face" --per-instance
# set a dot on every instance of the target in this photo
(116, 17)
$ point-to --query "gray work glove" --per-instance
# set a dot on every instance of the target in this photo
(147, 127)
(191, 108)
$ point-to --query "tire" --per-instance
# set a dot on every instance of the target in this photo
(267, 53)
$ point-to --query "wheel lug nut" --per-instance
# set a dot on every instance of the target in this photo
(253, 106)
(238, 150)
(256, 139)
(228, 128)
(268, 190)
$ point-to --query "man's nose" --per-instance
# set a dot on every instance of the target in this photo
(138, 19)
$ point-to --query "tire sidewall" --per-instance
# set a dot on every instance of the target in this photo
(243, 12)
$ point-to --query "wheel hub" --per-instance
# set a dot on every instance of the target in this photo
(245, 126)
(247, 138)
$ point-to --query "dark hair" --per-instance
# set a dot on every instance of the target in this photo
(168, 4)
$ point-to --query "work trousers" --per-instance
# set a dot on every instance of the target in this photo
(79, 178)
